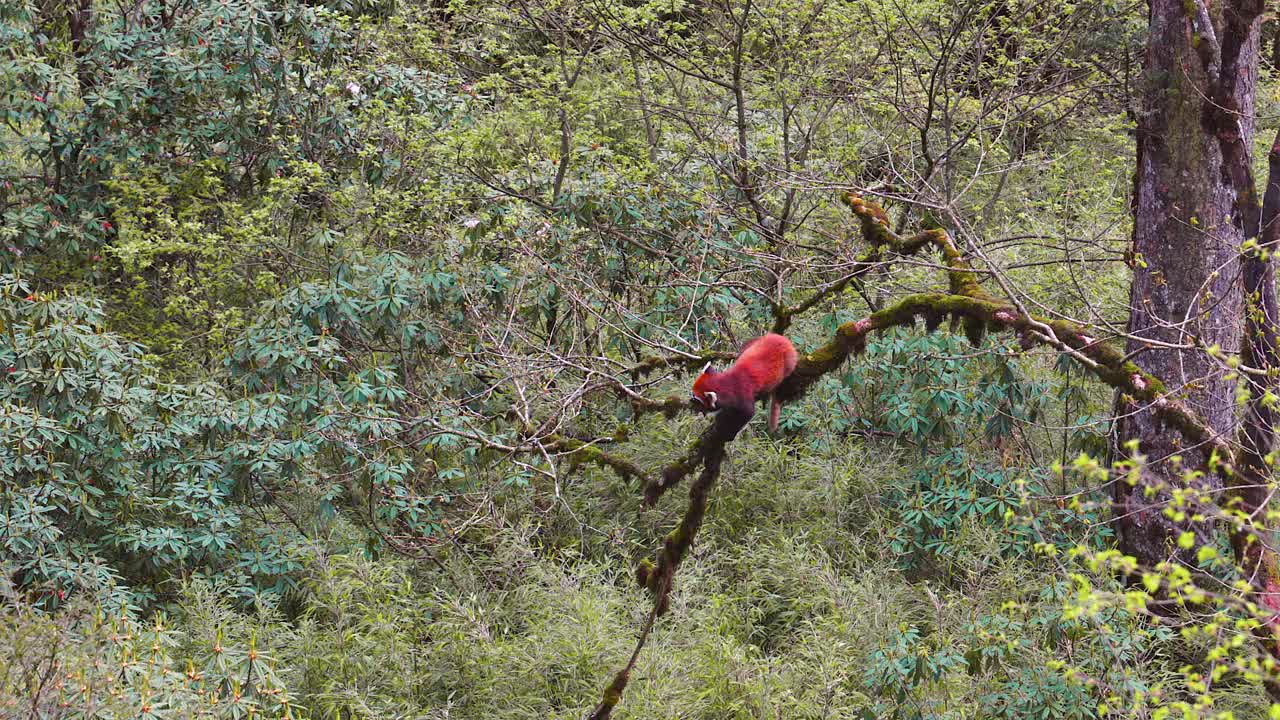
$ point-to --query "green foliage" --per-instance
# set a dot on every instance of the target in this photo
(303, 303)
(181, 264)
(172, 87)
(1217, 662)
(930, 387)
(111, 473)
(930, 390)
(906, 664)
(85, 662)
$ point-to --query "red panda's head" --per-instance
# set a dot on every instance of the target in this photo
(702, 389)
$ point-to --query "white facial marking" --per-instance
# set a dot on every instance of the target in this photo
(711, 397)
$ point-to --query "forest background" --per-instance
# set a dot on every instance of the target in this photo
(345, 350)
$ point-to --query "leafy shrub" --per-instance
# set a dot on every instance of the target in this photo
(84, 662)
(113, 477)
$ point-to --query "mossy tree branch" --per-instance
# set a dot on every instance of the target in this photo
(580, 452)
(658, 362)
(966, 303)
(876, 233)
(1108, 363)
(658, 576)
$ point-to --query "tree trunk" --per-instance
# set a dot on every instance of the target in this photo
(1186, 240)
(79, 17)
(1255, 551)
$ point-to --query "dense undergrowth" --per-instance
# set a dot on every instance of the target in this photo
(792, 605)
(851, 578)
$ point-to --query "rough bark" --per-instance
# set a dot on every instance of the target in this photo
(1197, 105)
(1256, 555)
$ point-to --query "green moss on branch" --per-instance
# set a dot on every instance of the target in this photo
(966, 303)
(1108, 363)
(657, 576)
(654, 362)
(579, 452)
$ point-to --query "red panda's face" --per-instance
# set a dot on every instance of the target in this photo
(702, 393)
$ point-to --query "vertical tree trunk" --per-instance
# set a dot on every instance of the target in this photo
(1275, 43)
(1186, 285)
(1256, 551)
(79, 17)
(1196, 204)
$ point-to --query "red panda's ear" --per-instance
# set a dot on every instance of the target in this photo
(706, 368)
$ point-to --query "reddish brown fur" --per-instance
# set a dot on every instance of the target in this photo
(764, 363)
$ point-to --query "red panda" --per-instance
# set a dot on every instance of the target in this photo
(761, 367)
